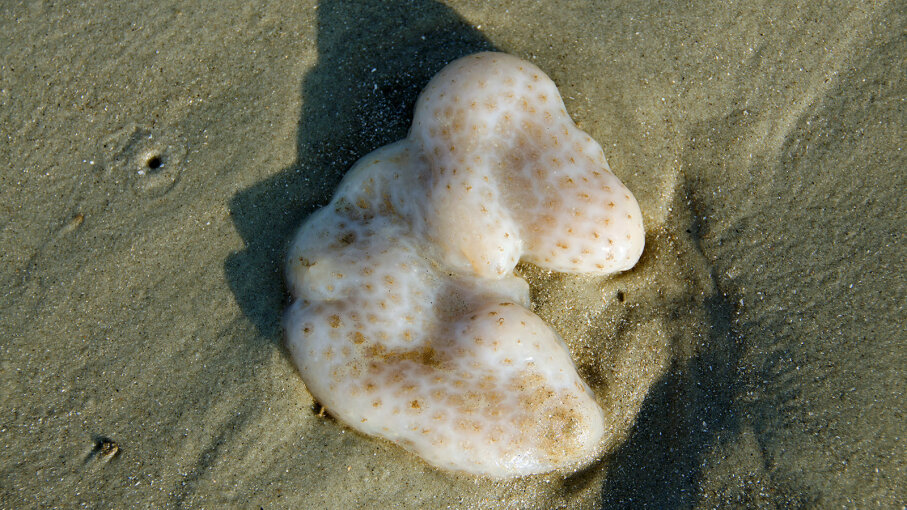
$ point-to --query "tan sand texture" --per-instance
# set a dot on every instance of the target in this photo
(158, 156)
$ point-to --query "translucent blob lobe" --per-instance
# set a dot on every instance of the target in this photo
(408, 322)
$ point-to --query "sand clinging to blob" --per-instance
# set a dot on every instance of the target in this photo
(408, 321)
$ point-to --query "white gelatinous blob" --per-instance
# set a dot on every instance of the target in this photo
(409, 323)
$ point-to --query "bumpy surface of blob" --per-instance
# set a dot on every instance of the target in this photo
(409, 323)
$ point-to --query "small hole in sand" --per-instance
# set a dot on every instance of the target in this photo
(154, 162)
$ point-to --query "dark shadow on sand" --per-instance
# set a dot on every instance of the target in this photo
(373, 60)
(685, 413)
(704, 403)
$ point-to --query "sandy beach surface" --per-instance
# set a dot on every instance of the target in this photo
(157, 157)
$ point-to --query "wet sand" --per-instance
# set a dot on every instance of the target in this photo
(158, 158)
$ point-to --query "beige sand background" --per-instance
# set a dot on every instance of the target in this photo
(156, 157)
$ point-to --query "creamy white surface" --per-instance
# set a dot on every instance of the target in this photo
(409, 323)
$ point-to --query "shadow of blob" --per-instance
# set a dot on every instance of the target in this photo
(373, 60)
(685, 412)
(702, 404)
